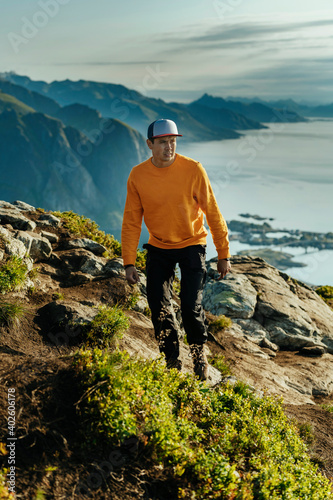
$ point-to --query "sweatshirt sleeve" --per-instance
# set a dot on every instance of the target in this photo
(132, 221)
(208, 204)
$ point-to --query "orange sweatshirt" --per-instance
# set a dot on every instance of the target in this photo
(173, 201)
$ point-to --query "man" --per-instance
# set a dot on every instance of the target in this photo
(172, 193)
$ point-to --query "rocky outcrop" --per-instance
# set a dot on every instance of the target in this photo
(234, 296)
(272, 305)
(271, 313)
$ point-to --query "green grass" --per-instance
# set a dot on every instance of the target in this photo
(83, 227)
(325, 292)
(58, 296)
(11, 313)
(107, 326)
(328, 407)
(224, 443)
(13, 273)
(219, 324)
(218, 361)
(4, 493)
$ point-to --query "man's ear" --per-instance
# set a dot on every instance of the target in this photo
(149, 144)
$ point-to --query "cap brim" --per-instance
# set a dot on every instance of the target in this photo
(165, 135)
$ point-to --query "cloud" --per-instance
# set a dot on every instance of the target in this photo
(238, 34)
(108, 63)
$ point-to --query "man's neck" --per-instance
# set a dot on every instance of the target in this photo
(162, 164)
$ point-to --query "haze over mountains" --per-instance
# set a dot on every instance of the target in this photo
(71, 145)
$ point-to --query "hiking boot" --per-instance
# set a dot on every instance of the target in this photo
(174, 363)
(200, 362)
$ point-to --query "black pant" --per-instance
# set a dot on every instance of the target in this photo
(160, 268)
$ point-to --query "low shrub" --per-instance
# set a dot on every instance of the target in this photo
(325, 292)
(5, 494)
(219, 324)
(328, 407)
(83, 227)
(11, 313)
(13, 273)
(107, 326)
(218, 361)
(223, 443)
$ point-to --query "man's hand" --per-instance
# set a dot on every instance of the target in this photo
(132, 275)
(223, 267)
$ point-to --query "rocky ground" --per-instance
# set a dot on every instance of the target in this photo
(280, 342)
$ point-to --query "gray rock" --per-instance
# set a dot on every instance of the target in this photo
(24, 207)
(93, 265)
(78, 278)
(233, 296)
(15, 247)
(254, 330)
(25, 238)
(4, 233)
(15, 217)
(29, 263)
(87, 244)
(40, 247)
(49, 220)
(6, 204)
(114, 268)
(53, 238)
(267, 344)
(292, 313)
(313, 351)
(2, 254)
(141, 305)
(68, 311)
(65, 320)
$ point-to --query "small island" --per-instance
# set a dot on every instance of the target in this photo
(265, 235)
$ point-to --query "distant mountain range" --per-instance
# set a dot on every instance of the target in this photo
(315, 111)
(71, 145)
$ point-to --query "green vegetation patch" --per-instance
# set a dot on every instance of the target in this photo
(11, 313)
(328, 407)
(219, 362)
(107, 326)
(13, 273)
(325, 292)
(5, 494)
(83, 227)
(219, 324)
(223, 443)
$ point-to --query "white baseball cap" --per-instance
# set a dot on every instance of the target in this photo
(160, 128)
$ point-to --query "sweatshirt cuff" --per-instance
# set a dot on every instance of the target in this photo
(223, 254)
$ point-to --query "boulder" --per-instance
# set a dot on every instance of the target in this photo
(65, 320)
(233, 296)
(86, 243)
(114, 268)
(53, 238)
(25, 238)
(93, 265)
(24, 207)
(253, 330)
(49, 220)
(313, 351)
(291, 313)
(15, 247)
(40, 248)
(4, 233)
(15, 217)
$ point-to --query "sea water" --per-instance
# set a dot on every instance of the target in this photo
(284, 172)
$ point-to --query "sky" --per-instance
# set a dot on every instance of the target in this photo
(176, 50)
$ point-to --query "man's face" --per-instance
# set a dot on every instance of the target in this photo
(164, 150)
